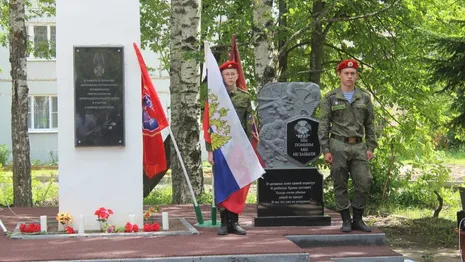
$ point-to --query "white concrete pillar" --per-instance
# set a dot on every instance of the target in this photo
(97, 176)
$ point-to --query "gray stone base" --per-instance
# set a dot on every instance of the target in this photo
(308, 241)
(303, 221)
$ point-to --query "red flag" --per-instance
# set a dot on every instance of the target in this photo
(235, 56)
(206, 124)
(153, 122)
(241, 83)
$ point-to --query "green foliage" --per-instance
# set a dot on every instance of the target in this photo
(44, 190)
(252, 196)
(155, 30)
(44, 193)
(205, 197)
(159, 196)
(6, 189)
(4, 154)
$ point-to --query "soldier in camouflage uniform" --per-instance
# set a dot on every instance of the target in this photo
(347, 118)
(242, 104)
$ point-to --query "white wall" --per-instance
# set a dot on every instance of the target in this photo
(96, 177)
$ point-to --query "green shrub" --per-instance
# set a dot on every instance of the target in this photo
(205, 197)
(159, 196)
(44, 193)
(4, 154)
(6, 189)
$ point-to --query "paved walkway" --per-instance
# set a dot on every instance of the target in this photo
(259, 240)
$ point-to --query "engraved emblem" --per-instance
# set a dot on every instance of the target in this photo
(99, 62)
(302, 129)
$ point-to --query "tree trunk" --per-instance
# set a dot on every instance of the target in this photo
(317, 44)
(185, 107)
(282, 59)
(265, 69)
(22, 189)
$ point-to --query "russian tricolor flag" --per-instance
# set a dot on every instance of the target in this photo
(235, 163)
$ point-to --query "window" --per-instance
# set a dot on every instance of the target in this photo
(42, 113)
(43, 38)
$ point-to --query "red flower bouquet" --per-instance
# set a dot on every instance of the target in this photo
(151, 228)
(69, 230)
(131, 228)
(103, 214)
(31, 228)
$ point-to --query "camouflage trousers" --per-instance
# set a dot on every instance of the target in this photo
(350, 160)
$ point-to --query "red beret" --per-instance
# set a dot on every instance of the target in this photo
(348, 63)
(229, 65)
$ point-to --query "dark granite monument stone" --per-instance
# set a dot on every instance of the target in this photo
(99, 96)
(291, 192)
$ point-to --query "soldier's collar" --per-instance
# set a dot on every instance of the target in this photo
(233, 90)
(340, 94)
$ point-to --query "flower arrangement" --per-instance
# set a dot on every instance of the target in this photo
(103, 214)
(150, 211)
(69, 230)
(131, 228)
(64, 218)
(151, 228)
(111, 229)
(31, 228)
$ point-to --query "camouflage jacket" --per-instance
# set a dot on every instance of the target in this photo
(243, 106)
(354, 119)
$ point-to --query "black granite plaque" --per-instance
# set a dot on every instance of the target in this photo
(99, 100)
(291, 197)
(302, 140)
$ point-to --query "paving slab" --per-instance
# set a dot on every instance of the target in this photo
(266, 242)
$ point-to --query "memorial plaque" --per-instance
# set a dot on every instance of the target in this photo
(282, 108)
(99, 96)
(302, 140)
(288, 192)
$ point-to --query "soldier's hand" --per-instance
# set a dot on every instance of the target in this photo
(210, 157)
(328, 158)
(369, 155)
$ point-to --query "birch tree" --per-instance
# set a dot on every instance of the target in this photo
(19, 105)
(184, 87)
(265, 67)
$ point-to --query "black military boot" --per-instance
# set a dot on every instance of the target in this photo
(223, 230)
(358, 223)
(234, 224)
(346, 223)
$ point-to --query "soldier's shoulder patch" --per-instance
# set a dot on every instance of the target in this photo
(331, 93)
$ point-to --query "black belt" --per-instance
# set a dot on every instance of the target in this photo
(349, 140)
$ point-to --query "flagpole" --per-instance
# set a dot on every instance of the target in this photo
(213, 208)
(198, 212)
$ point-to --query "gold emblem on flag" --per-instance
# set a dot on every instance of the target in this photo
(221, 133)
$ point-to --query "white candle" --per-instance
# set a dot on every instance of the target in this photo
(43, 224)
(165, 221)
(3, 227)
(131, 219)
(81, 225)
